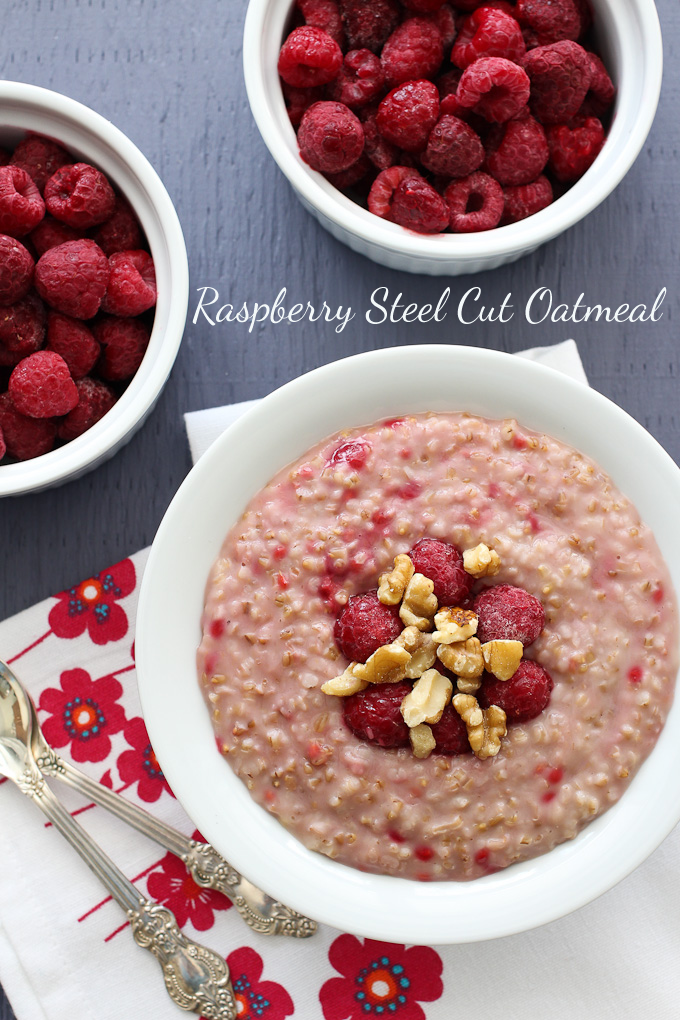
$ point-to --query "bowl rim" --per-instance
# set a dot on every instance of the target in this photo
(523, 896)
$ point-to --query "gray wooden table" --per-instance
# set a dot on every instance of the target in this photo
(168, 73)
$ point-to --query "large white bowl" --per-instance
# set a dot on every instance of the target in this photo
(92, 138)
(630, 42)
(281, 428)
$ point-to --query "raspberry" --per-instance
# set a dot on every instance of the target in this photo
(524, 696)
(41, 386)
(369, 23)
(417, 206)
(22, 328)
(443, 564)
(360, 80)
(380, 152)
(123, 343)
(121, 232)
(72, 278)
(350, 177)
(21, 206)
(408, 113)
(80, 195)
(414, 50)
(445, 21)
(383, 189)
(574, 147)
(507, 613)
(365, 624)
(132, 284)
(323, 14)
(73, 341)
(423, 6)
(475, 203)
(516, 152)
(601, 92)
(450, 733)
(375, 714)
(488, 32)
(550, 20)
(453, 148)
(297, 101)
(3, 445)
(16, 270)
(50, 232)
(94, 400)
(560, 78)
(40, 158)
(309, 57)
(25, 437)
(331, 137)
(524, 200)
(495, 87)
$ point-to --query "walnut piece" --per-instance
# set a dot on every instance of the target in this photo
(422, 741)
(502, 657)
(392, 586)
(481, 561)
(428, 699)
(468, 685)
(409, 638)
(464, 658)
(484, 728)
(345, 684)
(419, 604)
(387, 665)
(454, 625)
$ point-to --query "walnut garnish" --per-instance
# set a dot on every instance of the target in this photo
(468, 685)
(464, 658)
(387, 665)
(428, 699)
(419, 604)
(345, 684)
(481, 561)
(409, 638)
(454, 625)
(484, 728)
(392, 586)
(502, 657)
(422, 741)
(422, 656)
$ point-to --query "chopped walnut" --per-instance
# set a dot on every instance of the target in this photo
(484, 728)
(502, 657)
(428, 699)
(419, 604)
(468, 685)
(345, 684)
(387, 665)
(464, 658)
(409, 638)
(422, 741)
(422, 656)
(393, 585)
(454, 625)
(481, 561)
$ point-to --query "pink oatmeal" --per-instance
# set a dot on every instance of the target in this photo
(325, 529)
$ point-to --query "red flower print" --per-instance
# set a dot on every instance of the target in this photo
(255, 999)
(93, 605)
(173, 885)
(84, 713)
(380, 980)
(140, 764)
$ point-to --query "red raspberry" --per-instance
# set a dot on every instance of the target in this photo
(22, 328)
(414, 50)
(50, 232)
(365, 624)
(524, 200)
(40, 158)
(600, 95)
(408, 113)
(72, 278)
(422, 6)
(475, 203)
(331, 137)
(323, 14)
(79, 195)
(25, 437)
(443, 564)
(351, 177)
(560, 78)
(507, 613)
(121, 232)
(16, 270)
(447, 83)
(574, 147)
(516, 152)
(360, 81)
(369, 23)
(297, 101)
(380, 152)
(550, 20)
(375, 714)
(453, 148)
(309, 57)
(494, 87)
(73, 341)
(41, 386)
(132, 284)
(94, 400)
(417, 206)
(21, 206)
(488, 32)
(384, 186)
(450, 733)
(524, 696)
(445, 20)
(3, 445)
(123, 343)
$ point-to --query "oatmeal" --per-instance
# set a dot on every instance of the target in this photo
(529, 512)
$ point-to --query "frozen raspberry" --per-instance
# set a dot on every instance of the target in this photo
(22, 328)
(488, 32)
(40, 158)
(524, 696)
(297, 102)
(331, 137)
(475, 203)
(550, 20)
(80, 195)
(25, 437)
(381, 153)
(453, 148)
(73, 341)
(408, 113)
(574, 147)
(364, 625)
(494, 87)
(417, 206)
(50, 232)
(369, 23)
(123, 343)
(447, 83)
(414, 50)
(132, 284)
(309, 57)
(360, 80)
(384, 186)
(94, 400)
(323, 14)
(41, 386)
(21, 206)
(601, 92)
(450, 733)
(516, 152)
(351, 177)
(524, 200)
(443, 564)
(507, 613)
(445, 21)
(121, 232)
(560, 78)
(72, 278)
(375, 714)
(16, 270)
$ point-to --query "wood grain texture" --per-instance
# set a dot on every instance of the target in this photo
(168, 74)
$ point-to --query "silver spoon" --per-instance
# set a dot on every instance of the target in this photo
(205, 865)
(197, 979)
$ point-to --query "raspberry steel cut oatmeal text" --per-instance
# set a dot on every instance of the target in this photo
(438, 645)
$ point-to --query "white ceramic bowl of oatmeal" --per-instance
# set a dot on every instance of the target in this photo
(350, 393)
